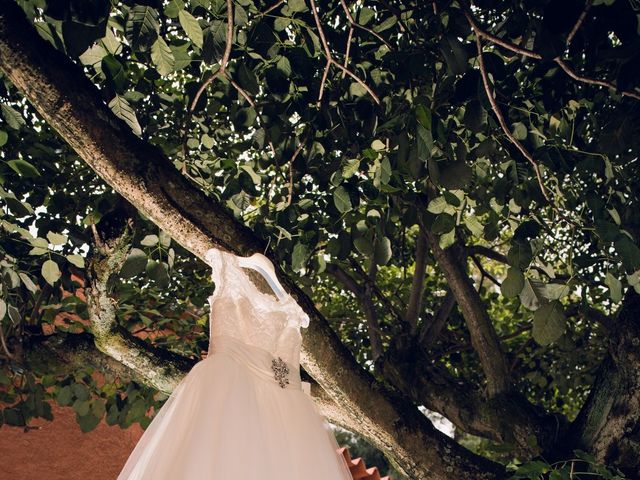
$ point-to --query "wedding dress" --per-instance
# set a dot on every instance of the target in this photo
(242, 412)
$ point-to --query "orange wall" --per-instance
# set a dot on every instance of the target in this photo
(60, 451)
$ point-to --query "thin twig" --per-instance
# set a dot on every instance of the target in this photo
(293, 158)
(531, 54)
(348, 50)
(332, 61)
(579, 22)
(9, 355)
(353, 24)
(272, 7)
(593, 81)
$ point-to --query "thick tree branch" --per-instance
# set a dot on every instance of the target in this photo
(417, 283)
(483, 335)
(506, 417)
(608, 424)
(142, 174)
(363, 294)
(431, 329)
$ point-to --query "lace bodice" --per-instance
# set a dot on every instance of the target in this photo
(240, 310)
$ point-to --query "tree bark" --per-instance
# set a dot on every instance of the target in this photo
(608, 425)
(71, 104)
(483, 335)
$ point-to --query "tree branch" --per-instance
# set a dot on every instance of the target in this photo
(483, 335)
(364, 298)
(431, 330)
(503, 124)
(417, 284)
(608, 422)
(579, 22)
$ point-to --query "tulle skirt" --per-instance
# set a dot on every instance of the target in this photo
(229, 419)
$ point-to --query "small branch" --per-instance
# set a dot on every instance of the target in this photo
(293, 158)
(5, 347)
(503, 123)
(221, 71)
(593, 81)
(531, 54)
(348, 50)
(431, 330)
(579, 22)
(332, 61)
(353, 24)
(272, 8)
(363, 295)
(484, 272)
(248, 98)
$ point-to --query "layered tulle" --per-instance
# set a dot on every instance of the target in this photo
(229, 419)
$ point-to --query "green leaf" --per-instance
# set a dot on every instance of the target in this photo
(76, 260)
(382, 253)
(51, 272)
(121, 108)
(26, 280)
(23, 168)
(87, 422)
(191, 27)
(520, 254)
(173, 8)
(455, 175)
(114, 72)
(549, 323)
(520, 131)
(615, 287)
(443, 223)
(350, 168)
(158, 272)
(56, 238)
(65, 396)
(162, 57)
(40, 246)
(342, 200)
(364, 245)
(513, 283)
(297, 5)
(3, 308)
(299, 257)
(134, 264)
(4, 136)
(11, 116)
(531, 295)
(629, 253)
(437, 205)
(424, 143)
(455, 54)
(142, 27)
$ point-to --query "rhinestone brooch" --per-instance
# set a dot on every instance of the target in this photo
(280, 371)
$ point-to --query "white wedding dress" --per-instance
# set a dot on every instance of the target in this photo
(241, 413)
